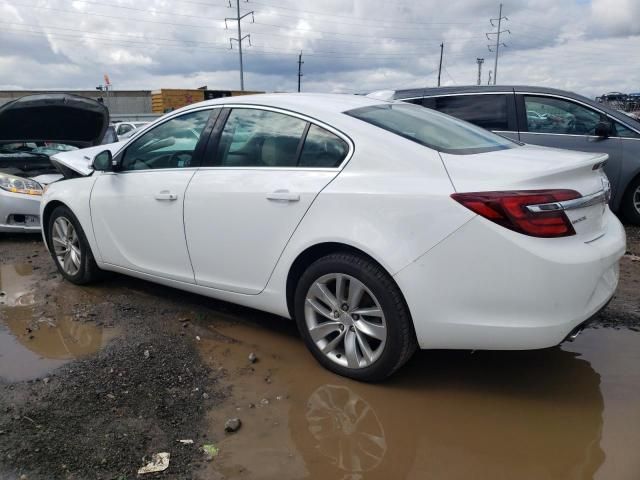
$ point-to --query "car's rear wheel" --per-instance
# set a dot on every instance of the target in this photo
(353, 317)
(69, 247)
(631, 202)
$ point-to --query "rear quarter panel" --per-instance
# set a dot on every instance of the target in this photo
(391, 201)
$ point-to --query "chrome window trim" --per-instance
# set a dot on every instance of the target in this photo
(601, 196)
(313, 121)
(562, 134)
(454, 95)
(165, 118)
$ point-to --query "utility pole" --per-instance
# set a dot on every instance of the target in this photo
(497, 45)
(238, 18)
(440, 67)
(300, 62)
(480, 61)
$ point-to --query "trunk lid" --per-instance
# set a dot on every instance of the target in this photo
(538, 168)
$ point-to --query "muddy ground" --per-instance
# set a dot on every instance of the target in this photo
(94, 380)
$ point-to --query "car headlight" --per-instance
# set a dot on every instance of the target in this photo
(14, 184)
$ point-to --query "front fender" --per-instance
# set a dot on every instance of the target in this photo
(75, 194)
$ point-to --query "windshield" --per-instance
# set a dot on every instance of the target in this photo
(432, 129)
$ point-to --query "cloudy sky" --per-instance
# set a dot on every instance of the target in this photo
(588, 46)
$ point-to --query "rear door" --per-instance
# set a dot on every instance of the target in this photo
(553, 121)
(492, 111)
(264, 167)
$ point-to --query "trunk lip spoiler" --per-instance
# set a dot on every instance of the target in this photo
(601, 196)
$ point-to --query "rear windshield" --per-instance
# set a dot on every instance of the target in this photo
(432, 129)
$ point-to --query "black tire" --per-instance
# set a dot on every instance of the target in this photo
(630, 212)
(400, 341)
(88, 270)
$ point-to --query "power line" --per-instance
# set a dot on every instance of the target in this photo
(412, 39)
(402, 22)
(149, 40)
(145, 10)
(146, 42)
(497, 45)
(84, 14)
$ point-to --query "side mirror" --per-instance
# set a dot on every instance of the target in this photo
(603, 130)
(103, 162)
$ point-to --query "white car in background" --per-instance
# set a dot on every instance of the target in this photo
(125, 128)
(380, 227)
(32, 128)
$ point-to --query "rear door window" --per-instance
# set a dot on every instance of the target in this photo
(260, 138)
(490, 111)
(322, 149)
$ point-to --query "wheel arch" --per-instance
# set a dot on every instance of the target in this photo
(315, 252)
(46, 215)
(627, 190)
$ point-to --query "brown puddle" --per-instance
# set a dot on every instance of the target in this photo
(31, 342)
(563, 413)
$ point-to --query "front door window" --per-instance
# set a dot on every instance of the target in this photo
(559, 116)
(169, 145)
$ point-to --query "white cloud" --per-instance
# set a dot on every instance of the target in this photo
(348, 45)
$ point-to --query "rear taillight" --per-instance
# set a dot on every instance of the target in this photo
(509, 210)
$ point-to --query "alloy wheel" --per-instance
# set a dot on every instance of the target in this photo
(66, 245)
(635, 198)
(345, 320)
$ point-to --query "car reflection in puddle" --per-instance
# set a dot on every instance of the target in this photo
(31, 343)
(488, 415)
(346, 429)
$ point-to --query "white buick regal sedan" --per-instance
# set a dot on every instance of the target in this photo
(379, 227)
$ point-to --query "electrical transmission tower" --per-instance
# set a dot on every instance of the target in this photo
(498, 43)
(479, 61)
(300, 62)
(238, 18)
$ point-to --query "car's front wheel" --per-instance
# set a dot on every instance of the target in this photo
(631, 202)
(353, 317)
(69, 247)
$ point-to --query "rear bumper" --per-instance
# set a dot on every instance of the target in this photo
(485, 287)
(19, 213)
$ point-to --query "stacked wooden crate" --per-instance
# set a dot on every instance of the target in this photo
(169, 99)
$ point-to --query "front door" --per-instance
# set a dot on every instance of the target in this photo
(267, 169)
(562, 123)
(137, 211)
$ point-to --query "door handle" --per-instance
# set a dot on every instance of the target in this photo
(164, 195)
(283, 196)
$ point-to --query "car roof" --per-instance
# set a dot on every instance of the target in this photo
(435, 91)
(305, 103)
(440, 91)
